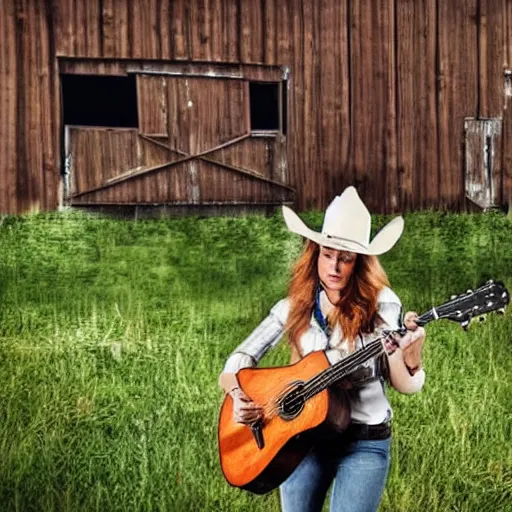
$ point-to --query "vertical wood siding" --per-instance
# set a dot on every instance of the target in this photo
(378, 91)
(29, 111)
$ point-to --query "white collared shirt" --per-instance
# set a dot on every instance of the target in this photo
(369, 403)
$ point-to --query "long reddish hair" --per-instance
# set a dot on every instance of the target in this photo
(355, 311)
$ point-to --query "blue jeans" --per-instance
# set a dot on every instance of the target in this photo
(359, 471)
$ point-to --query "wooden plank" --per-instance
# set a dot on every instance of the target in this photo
(33, 116)
(507, 157)
(229, 28)
(483, 162)
(164, 28)
(251, 33)
(270, 32)
(426, 169)
(373, 134)
(136, 22)
(417, 124)
(200, 30)
(231, 187)
(507, 31)
(92, 67)
(333, 100)
(152, 105)
(507, 112)
(286, 46)
(457, 93)
(491, 58)
(98, 154)
(180, 39)
(313, 181)
(122, 28)
(64, 19)
(8, 114)
(408, 30)
(49, 136)
(109, 15)
(24, 84)
(58, 13)
(215, 21)
(294, 30)
(93, 29)
(387, 20)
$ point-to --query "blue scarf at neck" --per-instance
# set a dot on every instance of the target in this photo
(319, 316)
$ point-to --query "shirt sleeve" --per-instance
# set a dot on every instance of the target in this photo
(390, 310)
(266, 335)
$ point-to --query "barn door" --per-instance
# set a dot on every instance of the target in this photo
(483, 180)
(194, 145)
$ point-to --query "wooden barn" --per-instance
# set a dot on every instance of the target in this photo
(202, 105)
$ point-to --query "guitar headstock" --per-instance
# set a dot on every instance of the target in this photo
(492, 296)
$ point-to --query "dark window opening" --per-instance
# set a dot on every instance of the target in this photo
(100, 100)
(268, 106)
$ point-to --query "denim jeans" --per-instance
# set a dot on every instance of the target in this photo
(359, 471)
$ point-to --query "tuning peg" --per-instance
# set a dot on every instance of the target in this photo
(469, 291)
(481, 318)
(501, 311)
(465, 324)
(453, 297)
(504, 294)
(490, 281)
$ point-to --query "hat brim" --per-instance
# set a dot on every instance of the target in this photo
(382, 242)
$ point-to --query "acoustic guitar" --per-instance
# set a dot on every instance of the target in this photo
(295, 398)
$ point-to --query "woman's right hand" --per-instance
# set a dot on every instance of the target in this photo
(244, 409)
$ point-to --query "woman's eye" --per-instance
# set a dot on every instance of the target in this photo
(328, 256)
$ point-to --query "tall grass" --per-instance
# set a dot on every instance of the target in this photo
(113, 333)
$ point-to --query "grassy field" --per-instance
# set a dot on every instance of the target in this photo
(113, 333)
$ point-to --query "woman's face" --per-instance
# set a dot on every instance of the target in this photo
(335, 268)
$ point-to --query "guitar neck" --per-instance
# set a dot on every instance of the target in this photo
(350, 363)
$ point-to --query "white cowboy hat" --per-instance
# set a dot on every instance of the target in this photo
(346, 227)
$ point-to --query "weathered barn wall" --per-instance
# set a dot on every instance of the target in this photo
(29, 108)
(379, 89)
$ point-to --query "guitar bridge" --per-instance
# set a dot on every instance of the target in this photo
(257, 432)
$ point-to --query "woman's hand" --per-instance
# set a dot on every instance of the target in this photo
(244, 409)
(411, 342)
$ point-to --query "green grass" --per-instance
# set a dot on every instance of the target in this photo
(113, 333)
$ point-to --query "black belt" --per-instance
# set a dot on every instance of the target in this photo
(362, 432)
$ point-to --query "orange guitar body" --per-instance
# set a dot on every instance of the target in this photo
(285, 441)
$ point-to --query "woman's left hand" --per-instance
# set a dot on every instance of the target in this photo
(411, 342)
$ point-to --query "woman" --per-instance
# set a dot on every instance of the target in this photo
(338, 299)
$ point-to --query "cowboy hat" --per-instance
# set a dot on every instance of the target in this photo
(346, 227)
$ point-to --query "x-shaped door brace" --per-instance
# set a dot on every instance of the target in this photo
(141, 170)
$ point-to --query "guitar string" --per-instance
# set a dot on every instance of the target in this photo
(318, 383)
(330, 375)
(346, 365)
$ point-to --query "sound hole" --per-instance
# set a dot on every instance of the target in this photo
(292, 402)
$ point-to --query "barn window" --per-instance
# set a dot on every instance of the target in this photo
(268, 106)
(100, 100)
